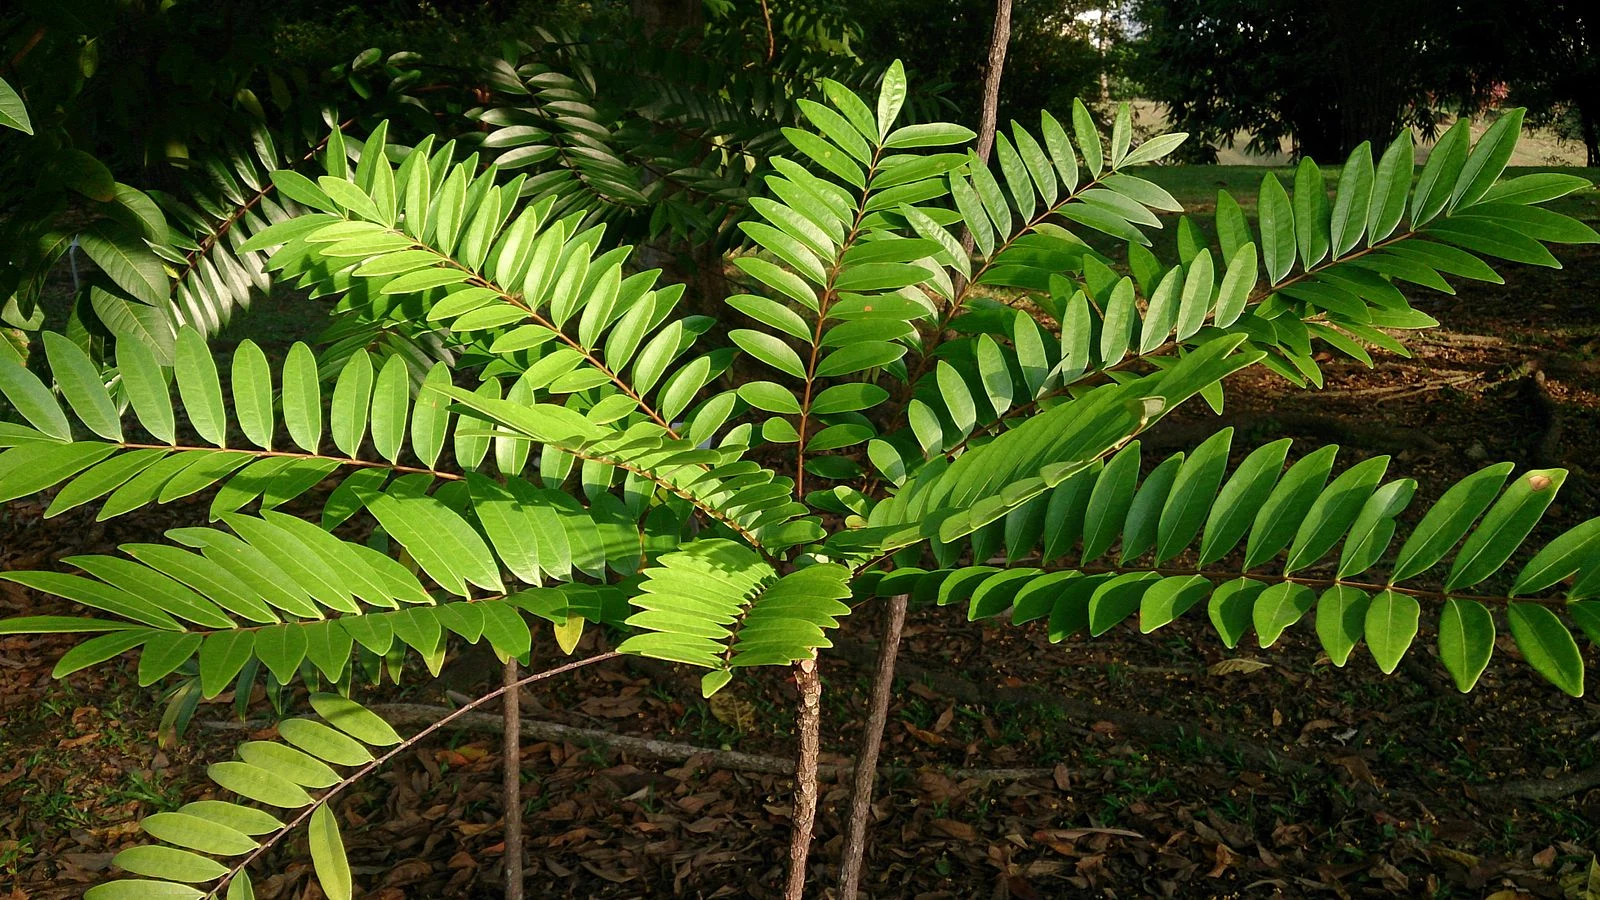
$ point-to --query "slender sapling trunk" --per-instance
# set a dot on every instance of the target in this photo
(809, 719)
(855, 841)
(512, 789)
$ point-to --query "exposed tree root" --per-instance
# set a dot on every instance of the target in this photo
(415, 714)
(1556, 788)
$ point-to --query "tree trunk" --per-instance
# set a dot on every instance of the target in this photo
(809, 719)
(855, 841)
(998, 39)
(1589, 119)
(512, 784)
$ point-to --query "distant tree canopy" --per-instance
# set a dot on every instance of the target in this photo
(1553, 68)
(1052, 57)
(1327, 74)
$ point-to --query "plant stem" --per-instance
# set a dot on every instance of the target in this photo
(855, 841)
(809, 681)
(512, 764)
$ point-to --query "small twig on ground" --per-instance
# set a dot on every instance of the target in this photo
(1542, 789)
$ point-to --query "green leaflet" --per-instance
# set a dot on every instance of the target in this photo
(328, 856)
(1547, 645)
(1232, 608)
(33, 400)
(1505, 526)
(147, 389)
(1341, 620)
(1448, 520)
(352, 401)
(1241, 498)
(1278, 607)
(302, 398)
(1391, 626)
(1193, 492)
(1283, 511)
(1109, 502)
(1466, 641)
(1277, 229)
(168, 863)
(1374, 527)
(199, 387)
(83, 387)
(1576, 549)
(1334, 511)
(252, 394)
(1170, 598)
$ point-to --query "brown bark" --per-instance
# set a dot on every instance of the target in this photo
(512, 786)
(998, 39)
(809, 720)
(855, 841)
(700, 758)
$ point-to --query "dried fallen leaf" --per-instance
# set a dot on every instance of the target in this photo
(1357, 767)
(961, 831)
(1224, 858)
(728, 709)
(1063, 777)
(1238, 667)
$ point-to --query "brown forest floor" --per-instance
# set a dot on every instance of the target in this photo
(1158, 778)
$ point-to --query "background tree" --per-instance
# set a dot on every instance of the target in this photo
(1052, 56)
(1326, 75)
(1553, 68)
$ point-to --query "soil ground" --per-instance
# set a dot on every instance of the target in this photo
(1157, 773)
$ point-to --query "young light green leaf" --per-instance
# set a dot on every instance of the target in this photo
(199, 387)
(252, 393)
(328, 856)
(80, 382)
(302, 398)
